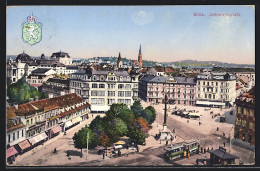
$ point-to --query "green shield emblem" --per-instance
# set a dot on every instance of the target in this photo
(32, 33)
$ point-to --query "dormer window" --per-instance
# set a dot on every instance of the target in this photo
(128, 78)
(121, 78)
(101, 78)
(94, 78)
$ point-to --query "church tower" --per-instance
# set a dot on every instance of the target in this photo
(119, 61)
(140, 60)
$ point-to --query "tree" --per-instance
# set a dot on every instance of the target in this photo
(98, 125)
(115, 110)
(104, 140)
(21, 92)
(116, 129)
(142, 124)
(137, 136)
(137, 108)
(80, 139)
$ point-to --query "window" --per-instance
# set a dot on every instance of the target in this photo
(111, 101)
(111, 93)
(203, 82)
(208, 83)
(245, 111)
(111, 86)
(238, 121)
(212, 83)
(9, 137)
(205, 95)
(216, 83)
(252, 113)
(101, 78)
(216, 90)
(128, 86)
(94, 86)
(128, 94)
(120, 100)
(94, 78)
(31, 120)
(150, 94)
(127, 101)
(94, 93)
(13, 136)
(17, 134)
(198, 95)
(120, 94)
(101, 85)
(128, 78)
(203, 89)
(22, 133)
(101, 93)
(209, 96)
(243, 123)
(213, 96)
(121, 78)
(27, 122)
(120, 86)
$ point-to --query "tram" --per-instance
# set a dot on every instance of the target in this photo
(182, 149)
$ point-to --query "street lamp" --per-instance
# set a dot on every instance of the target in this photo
(87, 145)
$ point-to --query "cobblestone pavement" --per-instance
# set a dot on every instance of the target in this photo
(149, 155)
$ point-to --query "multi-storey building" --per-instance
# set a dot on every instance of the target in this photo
(55, 87)
(62, 57)
(40, 75)
(50, 115)
(103, 88)
(216, 89)
(179, 90)
(245, 117)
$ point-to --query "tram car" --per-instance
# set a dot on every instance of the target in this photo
(182, 149)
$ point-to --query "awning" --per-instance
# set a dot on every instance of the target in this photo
(24, 145)
(118, 146)
(56, 129)
(119, 143)
(68, 124)
(75, 120)
(10, 152)
(38, 138)
(194, 114)
(98, 108)
(42, 136)
(210, 103)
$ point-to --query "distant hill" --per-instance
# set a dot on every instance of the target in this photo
(176, 64)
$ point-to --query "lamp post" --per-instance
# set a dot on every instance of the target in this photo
(87, 145)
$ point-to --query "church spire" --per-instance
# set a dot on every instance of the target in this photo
(140, 59)
(140, 50)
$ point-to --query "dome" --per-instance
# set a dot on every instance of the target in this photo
(23, 57)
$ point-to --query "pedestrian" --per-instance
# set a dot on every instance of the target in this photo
(187, 121)
(204, 150)
(68, 153)
(199, 123)
(217, 128)
(197, 161)
(201, 150)
(166, 142)
(212, 148)
(224, 144)
(103, 155)
(92, 115)
(55, 150)
(127, 154)
(137, 148)
(208, 148)
(223, 134)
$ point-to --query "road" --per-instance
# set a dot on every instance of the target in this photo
(149, 155)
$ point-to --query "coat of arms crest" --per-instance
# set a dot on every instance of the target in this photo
(32, 31)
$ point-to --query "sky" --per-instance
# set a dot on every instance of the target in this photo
(166, 33)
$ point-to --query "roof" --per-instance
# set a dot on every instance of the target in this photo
(156, 79)
(183, 80)
(23, 57)
(60, 54)
(10, 125)
(71, 67)
(47, 104)
(40, 70)
(243, 79)
(222, 154)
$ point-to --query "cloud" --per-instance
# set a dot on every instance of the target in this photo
(141, 17)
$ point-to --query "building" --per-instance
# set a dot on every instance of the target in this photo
(245, 117)
(140, 58)
(221, 157)
(179, 90)
(216, 89)
(62, 57)
(40, 75)
(49, 115)
(56, 87)
(103, 88)
(15, 131)
(119, 63)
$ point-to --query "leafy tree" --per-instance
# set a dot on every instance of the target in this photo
(98, 125)
(142, 124)
(21, 92)
(115, 110)
(80, 139)
(116, 129)
(137, 108)
(104, 140)
(137, 136)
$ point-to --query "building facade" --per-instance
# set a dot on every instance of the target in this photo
(216, 89)
(42, 116)
(56, 87)
(103, 88)
(179, 90)
(245, 117)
